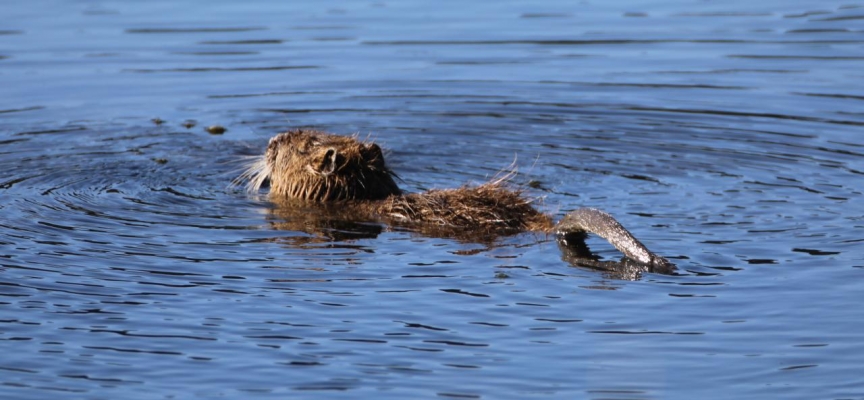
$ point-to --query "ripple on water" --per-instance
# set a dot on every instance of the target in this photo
(126, 262)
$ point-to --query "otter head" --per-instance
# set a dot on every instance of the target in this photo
(317, 166)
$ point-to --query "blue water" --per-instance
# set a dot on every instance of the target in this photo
(725, 135)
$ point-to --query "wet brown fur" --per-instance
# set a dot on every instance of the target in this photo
(313, 166)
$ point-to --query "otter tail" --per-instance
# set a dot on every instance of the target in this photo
(594, 221)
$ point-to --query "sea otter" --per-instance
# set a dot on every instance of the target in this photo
(350, 177)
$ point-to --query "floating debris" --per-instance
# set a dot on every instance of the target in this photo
(216, 129)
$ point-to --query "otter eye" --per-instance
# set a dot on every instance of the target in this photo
(303, 147)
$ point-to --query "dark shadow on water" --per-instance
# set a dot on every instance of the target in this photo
(222, 69)
(194, 30)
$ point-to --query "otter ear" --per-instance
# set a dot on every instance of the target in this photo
(327, 164)
(373, 152)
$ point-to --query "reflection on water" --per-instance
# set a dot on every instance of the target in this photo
(726, 136)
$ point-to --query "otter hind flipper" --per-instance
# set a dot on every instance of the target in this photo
(592, 220)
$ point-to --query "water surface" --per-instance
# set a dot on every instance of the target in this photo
(726, 136)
